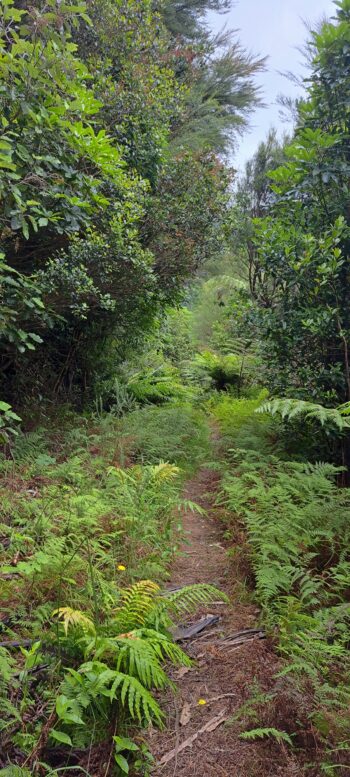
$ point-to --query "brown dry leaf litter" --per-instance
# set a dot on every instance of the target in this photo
(198, 740)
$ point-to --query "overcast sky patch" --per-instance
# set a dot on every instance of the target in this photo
(275, 28)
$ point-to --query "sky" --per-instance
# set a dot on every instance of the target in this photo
(273, 28)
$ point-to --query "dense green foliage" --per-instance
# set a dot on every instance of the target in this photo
(299, 260)
(297, 530)
(106, 206)
(185, 323)
(84, 629)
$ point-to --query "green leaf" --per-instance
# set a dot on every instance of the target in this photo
(14, 416)
(39, 303)
(71, 717)
(35, 337)
(122, 763)
(61, 736)
(124, 743)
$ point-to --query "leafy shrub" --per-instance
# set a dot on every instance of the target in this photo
(157, 385)
(8, 419)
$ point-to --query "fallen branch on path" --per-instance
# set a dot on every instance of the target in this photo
(243, 636)
(247, 633)
(211, 725)
(239, 638)
(191, 631)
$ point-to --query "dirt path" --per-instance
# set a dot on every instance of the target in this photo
(224, 677)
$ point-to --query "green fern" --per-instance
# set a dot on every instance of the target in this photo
(7, 665)
(296, 521)
(172, 606)
(74, 619)
(261, 733)
(96, 685)
(140, 654)
(329, 418)
(190, 597)
(137, 603)
(138, 658)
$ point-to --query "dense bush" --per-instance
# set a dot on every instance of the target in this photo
(298, 246)
(239, 425)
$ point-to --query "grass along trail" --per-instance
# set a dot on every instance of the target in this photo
(204, 716)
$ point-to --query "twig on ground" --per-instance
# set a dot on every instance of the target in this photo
(211, 725)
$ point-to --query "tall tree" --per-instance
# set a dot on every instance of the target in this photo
(303, 245)
(184, 18)
(254, 198)
(219, 74)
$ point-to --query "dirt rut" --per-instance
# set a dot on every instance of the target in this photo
(223, 677)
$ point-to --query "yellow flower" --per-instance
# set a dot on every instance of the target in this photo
(202, 701)
(121, 567)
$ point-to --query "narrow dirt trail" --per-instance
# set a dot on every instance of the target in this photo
(224, 676)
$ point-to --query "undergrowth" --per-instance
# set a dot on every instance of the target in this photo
(238, 423)
(89, 521)
(172, 432)
(296, 523)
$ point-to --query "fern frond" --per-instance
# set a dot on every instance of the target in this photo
(95, 682)
(138, 658)
(292, 408)
(164, 646)
(137, 603)
(7, 664)
(164, 471)
(189, 598)
(300, 667)
(261, 733)
(74, 619)
(140, 702)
